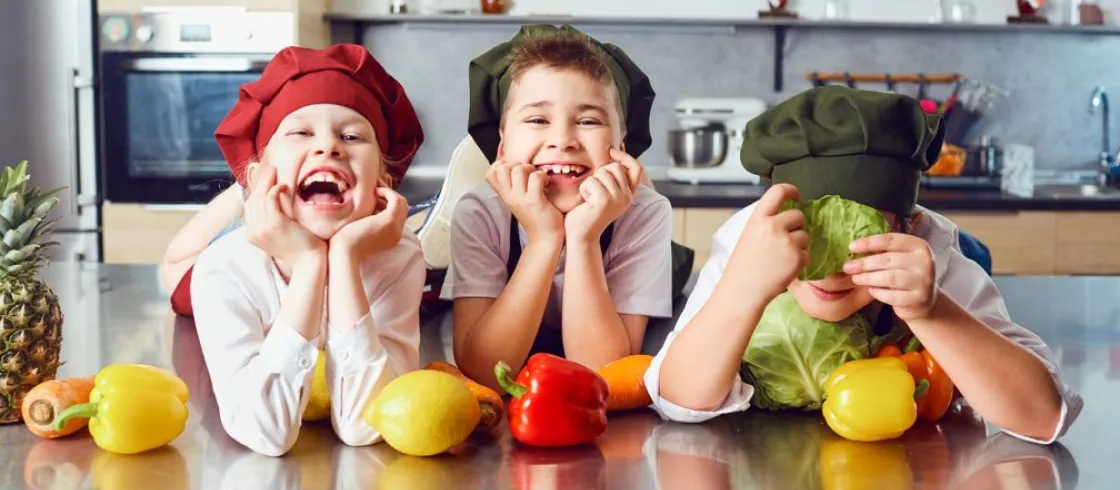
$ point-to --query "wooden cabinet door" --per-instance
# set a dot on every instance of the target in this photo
(698, 227)
(1088, 243)
(1020, 242)
(139, 234)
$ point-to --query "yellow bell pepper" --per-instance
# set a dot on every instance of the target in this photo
(133, 408)
(164, 465)
(870, 399)
(319, 406)
(854, 465)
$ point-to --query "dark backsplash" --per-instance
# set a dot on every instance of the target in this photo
(1050, 76)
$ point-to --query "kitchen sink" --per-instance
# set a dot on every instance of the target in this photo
(1084, 191)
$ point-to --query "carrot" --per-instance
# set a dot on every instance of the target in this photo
(626, 383)
(47, 399)
(488, 399)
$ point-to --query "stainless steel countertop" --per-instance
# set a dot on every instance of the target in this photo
(118, 314)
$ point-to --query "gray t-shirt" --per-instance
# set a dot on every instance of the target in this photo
(638, 261)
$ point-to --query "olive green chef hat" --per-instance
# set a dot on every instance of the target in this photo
(490, 80)
(869, 147)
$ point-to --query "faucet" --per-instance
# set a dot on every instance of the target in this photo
(1107, 161)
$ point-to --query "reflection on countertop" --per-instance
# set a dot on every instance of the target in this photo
(118, 314)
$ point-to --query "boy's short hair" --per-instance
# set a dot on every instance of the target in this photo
(564, 50)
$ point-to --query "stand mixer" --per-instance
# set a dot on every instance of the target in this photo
(706, 148)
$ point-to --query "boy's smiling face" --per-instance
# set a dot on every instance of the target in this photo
(563, 122)
(835, 297)
(329, 155)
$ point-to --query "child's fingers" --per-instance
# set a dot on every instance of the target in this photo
(800, 239)
(519, 177)
(771, 202)
(620, 187)
(501, 175)
(887, 242)
(396, 206)
(877, 262)
(791, 220)
(607, 179)
(593, 191)
(537, 182)
(266, 178)
(895, 297)
(284, 199)
(896, 279)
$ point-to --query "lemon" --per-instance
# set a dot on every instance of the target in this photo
(424, 412)
(319, 406)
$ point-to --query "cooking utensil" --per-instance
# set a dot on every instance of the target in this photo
(698, 147)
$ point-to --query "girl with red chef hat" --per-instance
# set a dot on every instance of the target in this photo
(322, 264)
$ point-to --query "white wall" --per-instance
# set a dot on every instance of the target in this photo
(986, 11)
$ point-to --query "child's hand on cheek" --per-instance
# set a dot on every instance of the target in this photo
(606, 193)
(773, 247)
(373, 234)
(635, 172)
(900, 272)
(268, 222)
(521, 188)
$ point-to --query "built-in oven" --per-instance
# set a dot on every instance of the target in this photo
(168, 79)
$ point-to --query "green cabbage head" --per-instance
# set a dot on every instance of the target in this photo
(833, 223)
(791, 354)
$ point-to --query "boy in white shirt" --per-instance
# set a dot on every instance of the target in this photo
(870, 148)
(322, 260)
(562, 250)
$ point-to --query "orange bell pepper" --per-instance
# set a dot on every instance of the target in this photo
(933, 404)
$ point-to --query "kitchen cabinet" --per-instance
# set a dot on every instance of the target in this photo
(1087, 243)
(1021, 242)
(139, 234)
(312, 30)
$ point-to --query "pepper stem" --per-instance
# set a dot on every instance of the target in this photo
(913, 345)
(502, 372)
(921, 389)
(83, 410)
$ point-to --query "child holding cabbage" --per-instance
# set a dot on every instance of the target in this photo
(801, 281)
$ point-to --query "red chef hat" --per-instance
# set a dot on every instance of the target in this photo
(343, 74)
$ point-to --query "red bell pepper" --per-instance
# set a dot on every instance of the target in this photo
(556, 402)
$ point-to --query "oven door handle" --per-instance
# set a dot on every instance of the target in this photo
(196, 64)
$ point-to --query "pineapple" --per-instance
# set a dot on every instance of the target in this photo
(30, 318)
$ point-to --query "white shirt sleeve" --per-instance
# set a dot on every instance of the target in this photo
(739, 397)
(970, 286)
(261, 373)
(384, 344)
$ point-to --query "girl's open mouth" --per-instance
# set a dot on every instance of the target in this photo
(565, 173)
(827, 295)
(325, 189)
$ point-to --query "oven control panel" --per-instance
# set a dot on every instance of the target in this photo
(198, 31)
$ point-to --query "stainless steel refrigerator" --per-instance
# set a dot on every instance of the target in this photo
(48, 111)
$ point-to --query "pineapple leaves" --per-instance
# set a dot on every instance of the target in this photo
(14, 179)
(24, 228)
(12, 207)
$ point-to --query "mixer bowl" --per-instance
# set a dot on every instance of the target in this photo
(698, 147)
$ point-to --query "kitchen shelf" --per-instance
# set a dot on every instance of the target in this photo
(780, 27)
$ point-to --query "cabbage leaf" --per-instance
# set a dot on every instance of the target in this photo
(833, 223)
(791, 354)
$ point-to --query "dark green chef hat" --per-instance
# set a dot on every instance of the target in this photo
(869, 147)
(490, 80)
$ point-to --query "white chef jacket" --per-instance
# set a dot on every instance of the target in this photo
(261, 368)
(958, 277)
